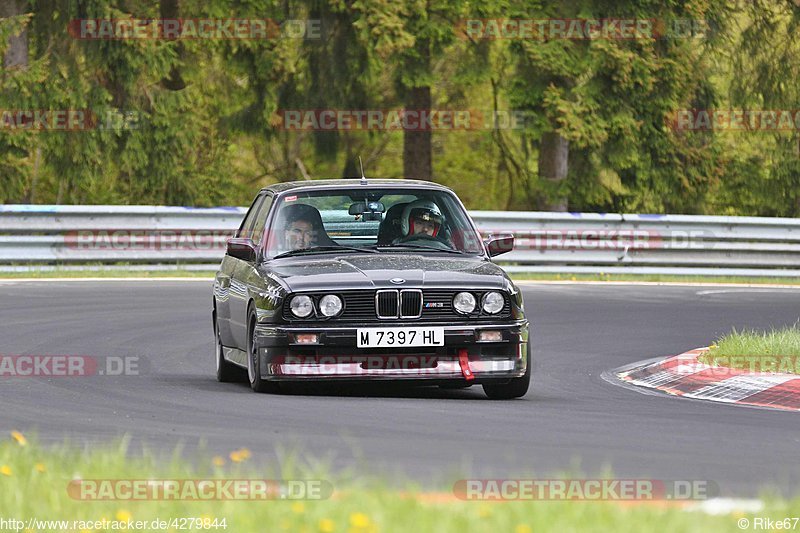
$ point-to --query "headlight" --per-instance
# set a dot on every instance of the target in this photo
(493, 302)
(330, 305)
(301, 306)
(464, 302)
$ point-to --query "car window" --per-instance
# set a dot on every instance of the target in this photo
(261, 219)
(372, 218)
(245, 230)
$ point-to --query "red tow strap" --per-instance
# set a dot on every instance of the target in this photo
(463, 362)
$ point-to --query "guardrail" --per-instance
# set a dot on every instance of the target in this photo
(172, 237)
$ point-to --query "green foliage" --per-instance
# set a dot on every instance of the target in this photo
(765, 64)
(215, 135)
(611, 100)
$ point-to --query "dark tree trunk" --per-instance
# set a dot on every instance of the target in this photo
(417, 144)
(170, 9)
(553, 157)
(351, 167)
(17, 52)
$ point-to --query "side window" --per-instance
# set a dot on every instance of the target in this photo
(247, 224)
(261, 219)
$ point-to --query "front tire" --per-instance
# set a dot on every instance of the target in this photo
(254, 364)
(515, 388)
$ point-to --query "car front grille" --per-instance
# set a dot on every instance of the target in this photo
(387, 304)
(410, 303)
(393, 304)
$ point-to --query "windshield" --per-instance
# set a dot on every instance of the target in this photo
(371, 219)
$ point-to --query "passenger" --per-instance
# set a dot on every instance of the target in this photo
(299, 234)
(302, 228)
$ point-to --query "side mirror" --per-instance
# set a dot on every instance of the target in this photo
(243, 249)
(499, 244)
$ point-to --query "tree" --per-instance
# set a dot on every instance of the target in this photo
(408, 36)
(196, 122)
(765, 63)
(16, 169)
(339, 70)
(601, 108)
(16, 51)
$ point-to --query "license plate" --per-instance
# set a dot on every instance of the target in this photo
(399, 337)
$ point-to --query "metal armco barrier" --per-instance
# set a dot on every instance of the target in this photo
(545, 242)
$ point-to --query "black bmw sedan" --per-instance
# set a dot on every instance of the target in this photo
(368, 280)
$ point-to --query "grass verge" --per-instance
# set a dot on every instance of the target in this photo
(34, 481)
(777, 350)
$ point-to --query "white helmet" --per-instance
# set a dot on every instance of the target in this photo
(421, 209)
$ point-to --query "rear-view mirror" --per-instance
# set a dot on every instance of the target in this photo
(367, 208)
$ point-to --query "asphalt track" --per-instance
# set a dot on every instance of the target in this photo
(572, 421)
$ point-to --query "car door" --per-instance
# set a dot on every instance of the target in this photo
(222, 279)
(244, 274)
(224, 282)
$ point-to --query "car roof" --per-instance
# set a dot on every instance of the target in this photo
(352, 183)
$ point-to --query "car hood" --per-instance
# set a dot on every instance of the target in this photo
(367, 271)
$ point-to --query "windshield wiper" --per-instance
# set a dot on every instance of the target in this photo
(324, 249)
(420, 247)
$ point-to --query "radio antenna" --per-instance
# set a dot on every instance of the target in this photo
(363, 177)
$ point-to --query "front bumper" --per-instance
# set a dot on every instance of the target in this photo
(336, 357)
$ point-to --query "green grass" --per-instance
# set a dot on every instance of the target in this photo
(33, 482)
(777, 350)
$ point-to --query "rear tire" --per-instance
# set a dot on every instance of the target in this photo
(226, 372)
(254, 364)
(515, 388)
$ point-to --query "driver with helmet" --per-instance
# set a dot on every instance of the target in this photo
(422, 219)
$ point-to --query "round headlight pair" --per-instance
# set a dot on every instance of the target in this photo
(492, 303)
(302, 306)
